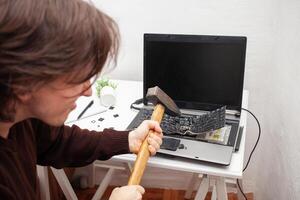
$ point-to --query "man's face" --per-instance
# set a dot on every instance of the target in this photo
(53, 102)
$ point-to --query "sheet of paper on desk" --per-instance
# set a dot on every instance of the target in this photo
(95, 109)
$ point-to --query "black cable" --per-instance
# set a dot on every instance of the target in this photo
(138, 101)
(259, 133)
(241, 189)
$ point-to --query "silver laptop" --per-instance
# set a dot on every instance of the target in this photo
(199, 73)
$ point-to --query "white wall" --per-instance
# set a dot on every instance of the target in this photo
(272, 71)
(278, 159)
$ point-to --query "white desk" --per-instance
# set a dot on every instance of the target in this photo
(128, 92)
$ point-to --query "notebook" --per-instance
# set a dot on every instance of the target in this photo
(200, 73)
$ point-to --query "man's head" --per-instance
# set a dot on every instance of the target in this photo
(44, 42)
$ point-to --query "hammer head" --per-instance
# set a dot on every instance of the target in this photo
(155, 95)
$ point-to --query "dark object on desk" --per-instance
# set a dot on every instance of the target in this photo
(170, 144)
(111, 108)
(85, 109)
(100, 119)
(162, 103)
(116, 115)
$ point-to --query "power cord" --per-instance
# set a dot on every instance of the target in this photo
(138, 101)
(238, 183)
(258, 138)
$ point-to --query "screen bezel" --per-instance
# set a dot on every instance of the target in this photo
(240, 40)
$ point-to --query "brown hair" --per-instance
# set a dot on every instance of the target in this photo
(43, 39)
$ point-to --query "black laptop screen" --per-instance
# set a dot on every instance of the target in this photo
(198, 72)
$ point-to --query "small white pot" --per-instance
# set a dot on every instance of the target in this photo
(108, 96)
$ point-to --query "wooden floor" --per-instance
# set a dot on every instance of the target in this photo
(152, 194)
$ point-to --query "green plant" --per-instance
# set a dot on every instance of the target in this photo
(102, 83)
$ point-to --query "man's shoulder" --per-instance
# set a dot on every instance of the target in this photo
(27, 127)
(32, 126)
(26, 124)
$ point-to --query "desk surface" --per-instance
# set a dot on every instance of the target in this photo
(127, 92)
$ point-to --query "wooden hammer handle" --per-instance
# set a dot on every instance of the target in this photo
(144, 154)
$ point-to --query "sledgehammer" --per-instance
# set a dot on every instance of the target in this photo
(163, 103)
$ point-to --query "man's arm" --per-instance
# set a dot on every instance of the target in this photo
(74, 147)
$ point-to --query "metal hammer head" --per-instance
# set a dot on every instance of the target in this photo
(155, 95)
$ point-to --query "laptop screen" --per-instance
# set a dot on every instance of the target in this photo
(196, 71)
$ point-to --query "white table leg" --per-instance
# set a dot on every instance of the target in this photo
(190, 188)
(91, 175)
(203, 188)
(221, 188)
(104, 183)
(44, 182)
(214, 191)
(128, 168)
(64, 183)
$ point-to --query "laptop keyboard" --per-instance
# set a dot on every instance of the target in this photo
(187, 125)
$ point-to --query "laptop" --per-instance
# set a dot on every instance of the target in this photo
(200, 73)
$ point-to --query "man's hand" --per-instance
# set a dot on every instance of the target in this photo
(137, 136)
(130, 192)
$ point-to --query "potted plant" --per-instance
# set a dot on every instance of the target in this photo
(106, 91)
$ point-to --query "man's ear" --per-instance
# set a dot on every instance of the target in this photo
(24, 96)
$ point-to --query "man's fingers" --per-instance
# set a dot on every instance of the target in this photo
(153, 143)
(157, 138)
(154, 125)
(158, 128)
(139, 196)
(140, 189)
(152, 150)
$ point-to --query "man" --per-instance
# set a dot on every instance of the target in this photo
(49, 51)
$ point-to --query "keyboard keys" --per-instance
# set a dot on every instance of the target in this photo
(187, 124)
